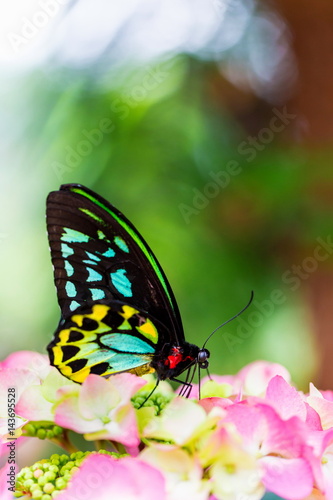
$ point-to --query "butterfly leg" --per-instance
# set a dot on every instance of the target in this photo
(149, 395)
(187, 384)
(186, 387)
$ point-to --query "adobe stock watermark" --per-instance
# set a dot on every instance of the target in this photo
(31, 27)
(248, 148)
(121, 106)
(264, 309)
(11, 444)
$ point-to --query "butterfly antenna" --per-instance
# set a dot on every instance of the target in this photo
(231, 319)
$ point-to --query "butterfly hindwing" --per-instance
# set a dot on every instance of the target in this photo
(98, 255)
(104, 339)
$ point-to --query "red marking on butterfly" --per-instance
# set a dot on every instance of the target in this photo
(176, 357)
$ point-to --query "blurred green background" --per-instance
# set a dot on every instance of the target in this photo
(209, 124)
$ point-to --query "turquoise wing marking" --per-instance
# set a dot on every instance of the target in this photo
(127, 343)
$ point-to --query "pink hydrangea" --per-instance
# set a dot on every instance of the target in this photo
(18, 373)
(101, 408)
(251, 433)
(103, 477)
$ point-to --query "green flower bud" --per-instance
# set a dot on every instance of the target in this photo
(157, 400)
(45, 479)
(48, 488)
(41, 433)
(42, 480)
(37, 494)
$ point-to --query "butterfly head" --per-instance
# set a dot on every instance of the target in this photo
(202, 358)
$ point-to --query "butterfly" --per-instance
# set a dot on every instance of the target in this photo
(118, 311)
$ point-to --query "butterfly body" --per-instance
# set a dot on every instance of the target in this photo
(118, 310)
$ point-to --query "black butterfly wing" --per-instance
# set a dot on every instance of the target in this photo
(99, 256)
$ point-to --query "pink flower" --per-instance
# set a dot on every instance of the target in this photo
(181, 421)
(15, 376)
(285, 399)
(233, 469)
(37, 400)
(251, 432)
(18, 372)
(103, 477)
(27, 360)
(324, 407)
(101, 408)
(182, 471)
(321, 458)
(255, 377)
(279, 445)
(252, 380)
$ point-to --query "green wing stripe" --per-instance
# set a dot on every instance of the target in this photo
(135, 237)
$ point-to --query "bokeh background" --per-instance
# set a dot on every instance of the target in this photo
(210, 125)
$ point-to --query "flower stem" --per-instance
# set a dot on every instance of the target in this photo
(65, 443)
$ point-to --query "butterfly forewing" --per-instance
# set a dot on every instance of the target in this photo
(98, 255)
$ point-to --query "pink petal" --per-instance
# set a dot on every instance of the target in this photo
(33, 406)
(20, 379)
(67, 415)
(29, 360)
(103, 477)
(91, 413)
(97, 397)
(179, 421)
(209, 403)
(328, 479)
(324, 408)
(123, 430)
(255, 376)
(127, 384)
(327, 395)
(319, 445)
(285, 437)
(291, 478)
(285, 399)
(262, 428)
(249, 422)
(312, 419)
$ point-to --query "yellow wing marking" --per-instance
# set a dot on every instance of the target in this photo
(149, 331)
(99, 311)
(127, 314)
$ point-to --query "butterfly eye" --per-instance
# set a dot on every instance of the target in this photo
(203, 356)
